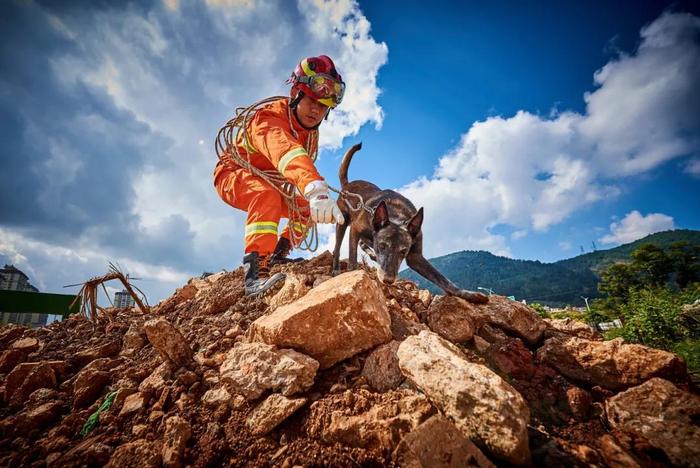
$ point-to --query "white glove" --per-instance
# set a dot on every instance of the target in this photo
(323, 207)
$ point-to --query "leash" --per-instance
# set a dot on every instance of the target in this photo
(226, 146)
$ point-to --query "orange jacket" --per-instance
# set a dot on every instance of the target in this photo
(272, 145)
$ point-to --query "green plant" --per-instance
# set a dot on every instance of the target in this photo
(689, 350)
(539, 308)
(614, 333)
(653, 316)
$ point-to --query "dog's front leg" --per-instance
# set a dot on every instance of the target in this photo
(417, 262)
(352, 251)
(339, 235)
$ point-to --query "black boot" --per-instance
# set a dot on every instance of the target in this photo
(279, 256)
(257, 275)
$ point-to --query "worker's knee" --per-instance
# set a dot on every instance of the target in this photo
(267, 197)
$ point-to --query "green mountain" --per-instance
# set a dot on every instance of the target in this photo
(555, 284)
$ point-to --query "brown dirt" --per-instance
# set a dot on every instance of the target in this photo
(220, 435)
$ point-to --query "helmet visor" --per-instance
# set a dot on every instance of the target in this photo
(325, 87)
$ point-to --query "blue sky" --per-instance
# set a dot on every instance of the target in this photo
(523, 128)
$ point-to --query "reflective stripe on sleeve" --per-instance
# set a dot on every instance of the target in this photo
(289, 157)
(245, 142)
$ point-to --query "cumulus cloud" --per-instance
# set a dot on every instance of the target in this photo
(692, 167)
(635, 226)
(532, 172)
(109, 114)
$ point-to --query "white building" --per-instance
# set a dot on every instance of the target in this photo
(123, 299)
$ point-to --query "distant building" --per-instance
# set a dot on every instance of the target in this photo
(29, 320)
(12, 279)
(123, 299)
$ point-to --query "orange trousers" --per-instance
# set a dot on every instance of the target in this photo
(264, 205)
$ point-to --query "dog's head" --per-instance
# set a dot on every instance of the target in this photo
(393, 241)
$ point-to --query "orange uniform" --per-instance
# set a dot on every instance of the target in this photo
(275, 141)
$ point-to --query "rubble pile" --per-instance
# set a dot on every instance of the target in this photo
(341, 371)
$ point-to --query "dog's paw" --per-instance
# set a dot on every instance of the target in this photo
(473, 297)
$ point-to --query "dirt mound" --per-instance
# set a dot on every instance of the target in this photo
(322, 374)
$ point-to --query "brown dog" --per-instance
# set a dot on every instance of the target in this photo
(389, 234)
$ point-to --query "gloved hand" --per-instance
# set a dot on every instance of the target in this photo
(323, 207)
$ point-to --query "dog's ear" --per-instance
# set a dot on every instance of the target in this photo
(415, 223)
(381, 216)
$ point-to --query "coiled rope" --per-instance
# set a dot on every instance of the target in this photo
(226, 146)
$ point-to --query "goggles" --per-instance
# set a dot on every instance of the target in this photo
(324, 87)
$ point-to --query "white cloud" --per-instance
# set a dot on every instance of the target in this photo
(635, 226)
(52, 266)
(183, 78)
(518, 234)
(532, 172)
(692, 167)
(565, 245)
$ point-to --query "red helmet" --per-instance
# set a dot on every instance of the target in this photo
(318, 78)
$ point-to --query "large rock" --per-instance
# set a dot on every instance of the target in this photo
(10, 333)
(177, 433)
(216, 397)
(336, 320)
(28, 345)
(253, 368)
(546, 392)
(27, 377)
(610, 364)
(155, 382)
(137, 454)
(105, 350)
(133, 403)
(295, 286)
(448, 318)
(480, 403)
(359, 423)
(168, 341)
(38, 418)
(514, 317)
(571, 327)
(614, 455)
(663, 414)
(271, 412)
(87, 387)
(134, 339)
(10, 358)
(437, 443)
(381, 368)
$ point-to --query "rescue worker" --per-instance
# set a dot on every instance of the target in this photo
(282, 135)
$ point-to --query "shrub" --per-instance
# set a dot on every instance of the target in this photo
(653, 316)
(689, 350)
(539, 308)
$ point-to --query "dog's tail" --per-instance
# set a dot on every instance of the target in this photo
(345, 164)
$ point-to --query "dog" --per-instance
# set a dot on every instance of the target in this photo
(389, 231)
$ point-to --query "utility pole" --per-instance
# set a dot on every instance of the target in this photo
(585, 299)
(591, 324)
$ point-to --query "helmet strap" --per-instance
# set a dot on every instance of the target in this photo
(293, 105)
(295, 102)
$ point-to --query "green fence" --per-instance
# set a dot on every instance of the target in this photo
(24, 302)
